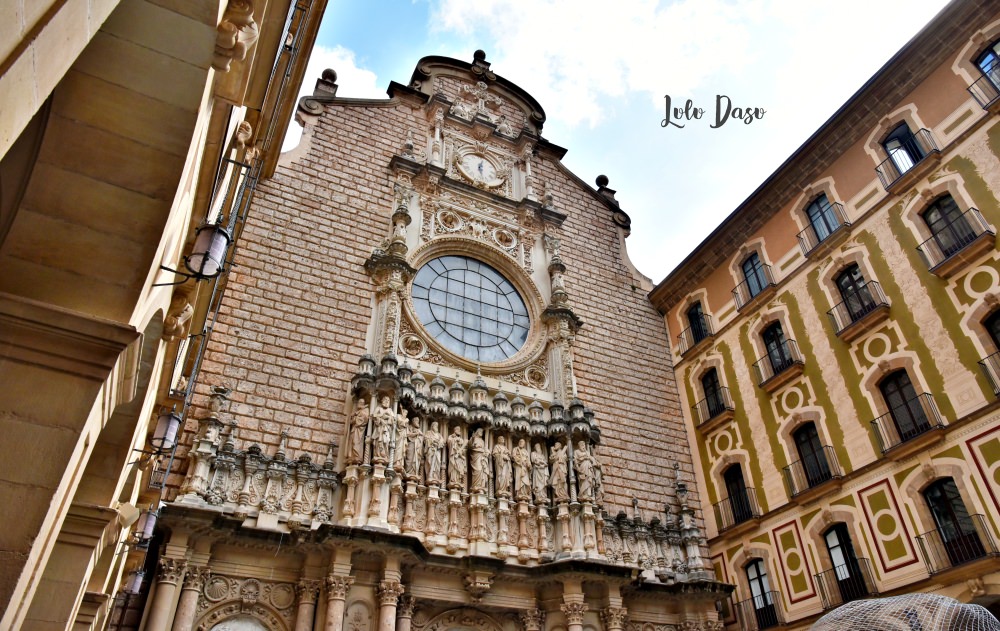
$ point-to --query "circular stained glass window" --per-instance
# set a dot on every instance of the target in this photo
(470, 308)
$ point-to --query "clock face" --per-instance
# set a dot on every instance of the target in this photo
(479, 169)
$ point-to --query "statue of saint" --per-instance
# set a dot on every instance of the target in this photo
(522, 472)
(456, 459)
(539, 475)
(414, 451)
(598, 480)
(558, 480)
(583, 463)
(359, 425)
(480, 463)
(501, 464)
(383, 420)
(399, 439)
(434, 448)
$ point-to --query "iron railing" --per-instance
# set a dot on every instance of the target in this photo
(991, 366)
(986, 89)
(857, 305)
(751, 287)
(813, 471)
(810, 238)
(853, 580)
(713, 405)
(953, 237)
(780, 359)
(737, 509)
(958, 544)
(915, 151)
(700, 329)
(760, 612)
(907, 421)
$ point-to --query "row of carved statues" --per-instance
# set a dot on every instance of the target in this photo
(484, 462)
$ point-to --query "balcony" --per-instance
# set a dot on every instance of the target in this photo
(958, 243)
(782, 364)
(713, 410)
(851, 581)
(810, 473)
(986, 90)
(695, 335)
(810, 239)
(910, 427)
(736, 510)
(991, 366)
(859, 312)
(945, 549)
(755, 287)
(903, 167)
(760, 612)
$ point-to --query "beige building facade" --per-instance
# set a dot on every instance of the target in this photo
(836, 343)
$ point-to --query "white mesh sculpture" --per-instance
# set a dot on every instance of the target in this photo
(912, 612)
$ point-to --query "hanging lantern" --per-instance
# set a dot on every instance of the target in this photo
(209, 253)
(134, 583)
(146, 524)
(165, 435)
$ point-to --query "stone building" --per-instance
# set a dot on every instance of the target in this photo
(122, 125)
(836, 347)
(437, 394)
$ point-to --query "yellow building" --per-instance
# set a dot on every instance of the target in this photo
(836, 347)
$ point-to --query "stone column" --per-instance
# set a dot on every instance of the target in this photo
(194, 581)
(171, 571)
(574, 612)
(533, 619)
(336, 593)
(389, 592)
(404, 613)
(307, 590)
(614, 618)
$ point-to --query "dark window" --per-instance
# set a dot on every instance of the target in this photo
(992, 325)
(821, 217)
(814, 464)
(904, 407)
(753, 272)
(713, 393)
(857, 297)
(845, 564)
(949, 227)
(696, 320)
(902, 147)
(760, 591)
(739, 501)
(961, 542)
(989, 62)
(777, 348)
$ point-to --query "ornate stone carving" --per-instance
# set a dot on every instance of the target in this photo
(477, 584)
(532, 619)
(307, 590)
(574, 612)
(236, 34)
(338, 586)
(356, 439)
(614, 618)
(557, 479)
(171, 570)
(196, 577)
(389, 592)
(456, 459)
(406, 606)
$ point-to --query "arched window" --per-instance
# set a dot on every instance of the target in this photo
(956, 532)
(855, 293)
(949, 227)
(714, 403)
(777, 349)
(822, 218)
(846, 571)
(902, 148)
(761, 596)
(696, 320)
(753, 272)
(905, 409)
(989, 62)
(815, 468)
(739, 508)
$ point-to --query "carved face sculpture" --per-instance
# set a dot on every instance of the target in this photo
(581, 446)
(520, 443)
(385, 402)
(456, 430)
(416, 421)
(434, 426)
(538, 447)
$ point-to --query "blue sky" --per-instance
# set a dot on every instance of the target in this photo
(601, 71)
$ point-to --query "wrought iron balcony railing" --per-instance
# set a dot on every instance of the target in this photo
(851, 581)
(818, 468)
(734, 510)
(713, 405)
(752, 286)
(857, 305)
(700, 329)
(944, 548)
(986, 89)
(953, 237)
(760, 612)
(779, 359)
(991, 366)
(897, 165)
(811, 237)
(907, 421)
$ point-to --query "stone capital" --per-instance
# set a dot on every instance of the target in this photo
(533, 619)
(406, 605)
(307, 590)
(338, 586)
(196, 577)
(389, 592)
(171, 570)
(574, 612)
(614, 618)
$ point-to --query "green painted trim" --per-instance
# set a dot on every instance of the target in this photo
(703, 447)
(899, 476)
(732, 552)
(770, 423)
(742, 421)
(764, 539)
(847, 500)
(805, 518)
(725, 314)
(958, 121)
(790, 262)
(864, 200)
(952, 452)
(978, 189)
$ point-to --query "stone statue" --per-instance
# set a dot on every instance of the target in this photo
(501, 464)
(503, 127)
(558, 480)
(583, 463)
(383, 419)
(522, 472)
(456, 459)
(414, 451)
(480, 463)
(539, 475)
(598, 480)
(359, 425)
(434, 448)
(402, 423)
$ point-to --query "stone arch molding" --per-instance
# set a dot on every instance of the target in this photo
(462, 619)
(235, 616)
(241, 623)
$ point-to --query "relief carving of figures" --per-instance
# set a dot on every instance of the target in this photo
(501, 462)
(434, 446)
(456, 459)
(402, 423)
(539, 475)
(480, 463)
(583, 462)
(383, 420)
(558, 479)
(414, 451)
(522, 472)
(359, 424)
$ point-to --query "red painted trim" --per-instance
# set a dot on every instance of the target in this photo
(805, 561)
(987, 482)
(874, 533)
